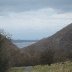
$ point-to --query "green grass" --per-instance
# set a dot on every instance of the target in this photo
(58, 67)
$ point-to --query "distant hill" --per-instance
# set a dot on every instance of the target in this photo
(60, 43)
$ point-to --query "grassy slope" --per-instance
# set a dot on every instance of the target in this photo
(66, 67)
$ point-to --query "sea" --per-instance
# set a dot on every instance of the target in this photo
(23, 44)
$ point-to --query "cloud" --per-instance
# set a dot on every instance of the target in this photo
(22, 5)
(26, 5)
(34, 19)
(34, 24)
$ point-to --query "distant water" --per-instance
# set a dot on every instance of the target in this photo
(23, 44)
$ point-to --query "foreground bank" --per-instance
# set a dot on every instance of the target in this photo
(58, 67)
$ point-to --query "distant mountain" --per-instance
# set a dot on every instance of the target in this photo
(60, 43)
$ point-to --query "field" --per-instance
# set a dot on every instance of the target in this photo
(58, 67)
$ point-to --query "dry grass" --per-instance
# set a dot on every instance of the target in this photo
(59, 67)
(17, 69)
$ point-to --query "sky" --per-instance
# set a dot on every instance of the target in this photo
(34, 19)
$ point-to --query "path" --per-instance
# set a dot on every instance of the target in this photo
(28, 69)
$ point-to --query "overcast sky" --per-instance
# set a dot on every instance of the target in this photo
(34, 19)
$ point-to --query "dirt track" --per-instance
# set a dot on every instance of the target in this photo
(28, 69)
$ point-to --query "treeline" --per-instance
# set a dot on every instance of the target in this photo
(31, 57)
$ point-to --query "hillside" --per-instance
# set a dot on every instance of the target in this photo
(60, 45)
(63, 37)
(9, 53)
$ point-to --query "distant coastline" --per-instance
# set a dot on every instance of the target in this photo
(23, 43)
(20, 41)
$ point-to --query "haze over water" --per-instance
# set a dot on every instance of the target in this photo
(23, 44)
